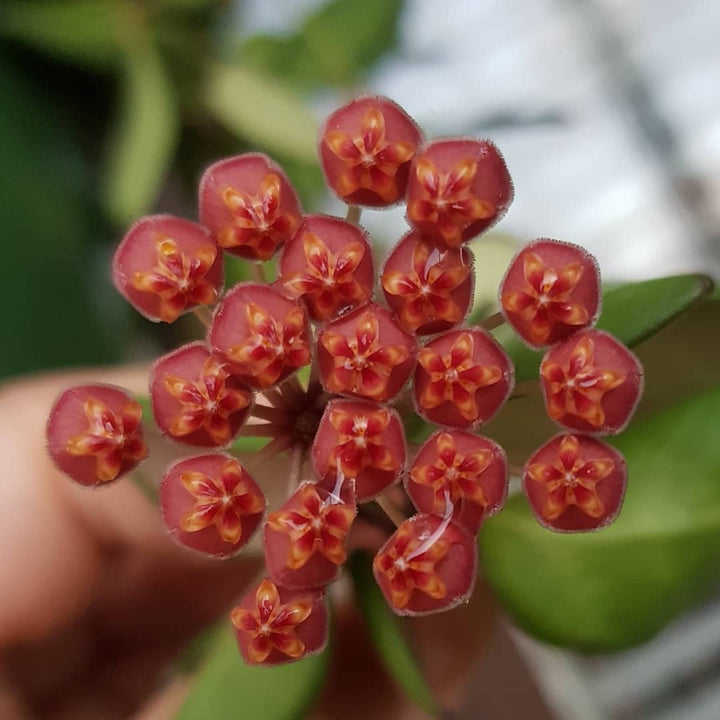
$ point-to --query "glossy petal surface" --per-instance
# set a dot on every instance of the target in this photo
(365, 150)
(249, 205)
(591, 383)
(211, 504)
(462, 378)
(94, 433)
(575, 483)
(274, 625)
(550, 291)
(195, 399)
(427, 284)
(457, 189)
(166, 265)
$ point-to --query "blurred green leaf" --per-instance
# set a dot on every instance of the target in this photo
(680, 361)
(249, 444)
(617, 587)
(345, 36)
(146, 134)
(493, 254)
(80, 31)
(49, 229)
(417, 431)
(258, 109)
(631, 312)
(228, 688)
(384, 628)
(334, 46)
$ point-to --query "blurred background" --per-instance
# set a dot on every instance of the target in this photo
(607, 112)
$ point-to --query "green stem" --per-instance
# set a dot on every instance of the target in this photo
(354, 212)
(258, 273)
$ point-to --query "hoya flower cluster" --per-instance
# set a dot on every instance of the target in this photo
(381, 343)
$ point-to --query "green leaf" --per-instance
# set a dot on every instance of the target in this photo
(54, 316)
(257, 109)
(346, 36)
(631, 312)
(493, 254)
(80, 31)
(249, 444)
(144, 141)
(691, 341)
(385, 631)
(617, 587)
(334, 46)
(228, 688)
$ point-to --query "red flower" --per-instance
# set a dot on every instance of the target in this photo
(427, 295)
(456, 377)
(578, 386)
(448, 201)
(272, 624)
(361, 442)
(550, 290)
(205, 405)
(166, 265)
(221, 501)
(327, 283)
(365, 148)
(111, 438)
(249, 205)
(409, 564)
(262, 335)
(455, 473)
(428, 564)
(316, 525)
(466, 470)
(178, 279)
(362, 363)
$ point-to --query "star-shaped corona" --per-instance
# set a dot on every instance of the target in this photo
(410, 567)
(210, 503)
(178, 279)
(220, 502)
(448, 201)
(111, 438)
(360, 441)
(457, 189)
(249, 206)
(269, 630)
(195, 399)
(358, 360)
(364, 441)
(550, 290)
(455, 472)
(428, 284)
(452, 370)
(575, 482)
(329, 265)
(315, 522)
(365, 149)
(262, 335)
(166, 265)
(467, 469)
(576, 387)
